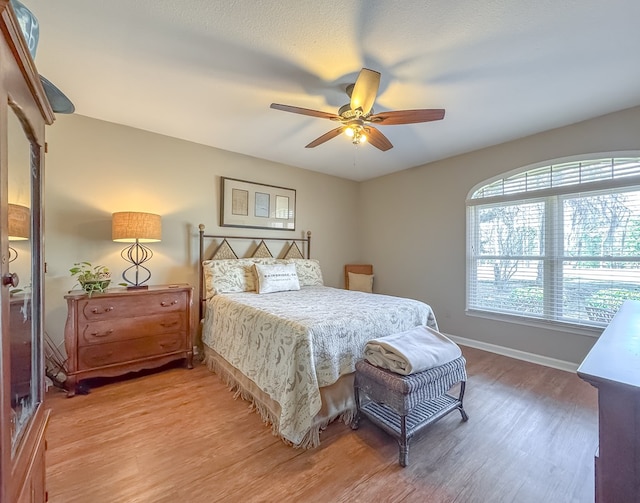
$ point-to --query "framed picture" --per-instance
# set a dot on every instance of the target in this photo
(255, 205)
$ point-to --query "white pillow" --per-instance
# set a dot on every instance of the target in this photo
(361, 282)
(276, 278)
(309, 272)
(231, 275)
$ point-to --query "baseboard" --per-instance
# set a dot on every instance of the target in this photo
(515, 353)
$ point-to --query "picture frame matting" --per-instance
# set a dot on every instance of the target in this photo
(256, 205)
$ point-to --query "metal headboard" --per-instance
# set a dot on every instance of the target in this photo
(305, 242)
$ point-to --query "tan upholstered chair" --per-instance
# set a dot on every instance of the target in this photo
(364, 283)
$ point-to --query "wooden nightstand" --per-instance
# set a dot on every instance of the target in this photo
(120, 331)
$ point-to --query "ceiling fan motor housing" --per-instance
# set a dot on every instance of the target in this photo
(347, 113)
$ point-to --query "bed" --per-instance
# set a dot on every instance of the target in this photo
(290, 353)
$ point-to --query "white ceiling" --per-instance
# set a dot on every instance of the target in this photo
(207, 70)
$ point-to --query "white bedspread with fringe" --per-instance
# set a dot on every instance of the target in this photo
(290, 344)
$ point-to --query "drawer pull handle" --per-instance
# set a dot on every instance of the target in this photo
(166, 304)
(95, 310)
(104, 334)
(167, 324)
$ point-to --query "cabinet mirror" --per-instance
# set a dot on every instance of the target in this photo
(23, 349)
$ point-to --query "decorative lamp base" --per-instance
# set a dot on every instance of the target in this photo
(136, 254)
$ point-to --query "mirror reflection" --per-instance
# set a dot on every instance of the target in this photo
(23, 389)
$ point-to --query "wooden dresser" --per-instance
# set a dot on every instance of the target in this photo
(120, 331)
(613, 366)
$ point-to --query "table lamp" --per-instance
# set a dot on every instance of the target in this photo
(136, 228)
(19, 226)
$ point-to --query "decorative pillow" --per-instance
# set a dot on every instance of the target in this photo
(276, 278)
(361, 282)
(231, 275)
(309, 272)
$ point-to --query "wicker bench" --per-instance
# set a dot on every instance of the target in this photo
(404, 405)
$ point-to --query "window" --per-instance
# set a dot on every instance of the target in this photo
(559, 243)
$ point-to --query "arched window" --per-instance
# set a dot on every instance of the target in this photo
(559, 242)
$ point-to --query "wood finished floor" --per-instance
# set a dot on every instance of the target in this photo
(179, 436)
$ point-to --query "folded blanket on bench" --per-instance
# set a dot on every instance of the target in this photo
(413, 351)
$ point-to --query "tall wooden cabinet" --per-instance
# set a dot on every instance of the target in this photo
(24, 112)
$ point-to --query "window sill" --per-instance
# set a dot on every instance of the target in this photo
(573, 328)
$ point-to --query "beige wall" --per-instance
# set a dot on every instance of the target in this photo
(414, 229)
(95, 168)
(410, 225)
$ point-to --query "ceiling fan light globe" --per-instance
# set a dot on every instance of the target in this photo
(349, 132)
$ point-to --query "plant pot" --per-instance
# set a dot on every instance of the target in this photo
(95, 285)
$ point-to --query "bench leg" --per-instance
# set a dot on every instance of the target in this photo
(464, 415)
(404, 444)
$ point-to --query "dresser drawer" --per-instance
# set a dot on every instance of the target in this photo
(102, 308)
(101, 355)
(101, 332)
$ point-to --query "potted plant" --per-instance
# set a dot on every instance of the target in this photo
(91, 278)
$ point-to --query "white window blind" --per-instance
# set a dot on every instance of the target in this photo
(539, 250)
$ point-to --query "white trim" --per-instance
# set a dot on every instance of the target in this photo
(557, 325)
(515, 353)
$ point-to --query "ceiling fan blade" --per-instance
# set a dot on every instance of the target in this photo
(377, 139)
(407, 116)
(326, 137)
(365, 90)
(305, 111)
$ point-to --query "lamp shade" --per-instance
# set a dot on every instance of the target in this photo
(19, 222)
(129, 226)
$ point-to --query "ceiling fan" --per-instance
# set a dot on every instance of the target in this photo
(357, 117)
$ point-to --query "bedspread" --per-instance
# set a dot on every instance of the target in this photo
(292, 343)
